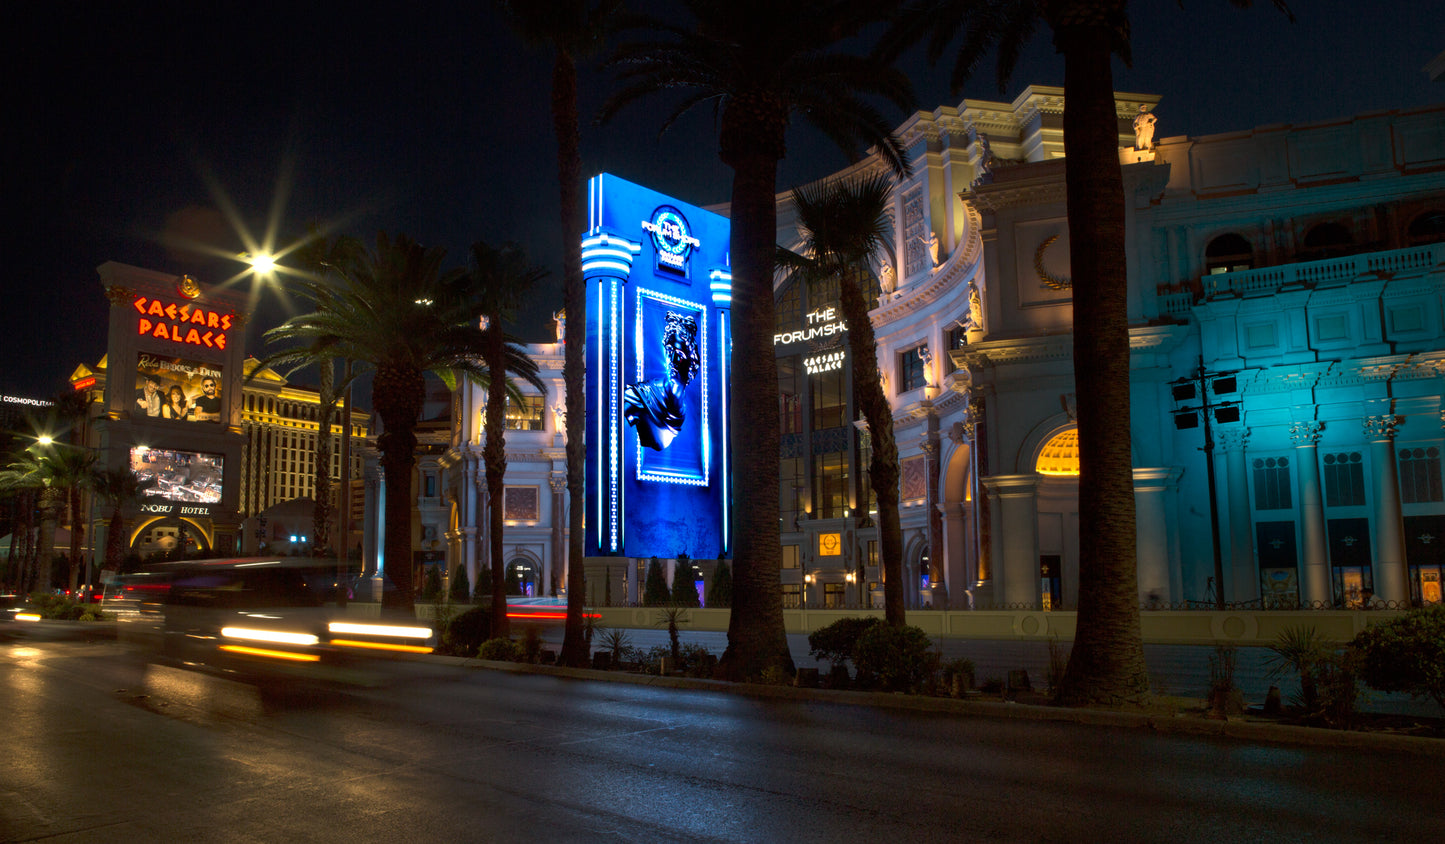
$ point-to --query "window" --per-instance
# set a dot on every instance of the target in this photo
(788, 312)
(791, 486)
(792, 596)
(830, 485)
(1271, 483)
(1327, 240)
(790, 396)
(835, 595)
(1344, 480)
(526, 416)
(957, 337)
(911, 374)
(1420, 475)
(1228, 253)
(790, 556)
(1426, 228)
(829, 399)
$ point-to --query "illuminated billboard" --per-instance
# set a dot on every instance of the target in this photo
(177, 477)
(177, 389)
(658, 336)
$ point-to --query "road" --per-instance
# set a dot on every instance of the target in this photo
(104, 747)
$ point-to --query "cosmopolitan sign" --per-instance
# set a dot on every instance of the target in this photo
(181, 323)
(822, 322)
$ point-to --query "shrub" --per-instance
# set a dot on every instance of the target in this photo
(720, 594)
(1301, 651)
(671, 617)
(531, 644)
(684, 583)
(461, 589)
(433, 588)
(465, 633)
(1406, 654)
(958, 673)
(502, 650)
(838, 642)
(617, 641)
(901, 657)
(1225, 699)
(655, 593)
(697, 661)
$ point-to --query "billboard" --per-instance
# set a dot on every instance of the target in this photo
(658, 337)
(177, 389)
(177, 477)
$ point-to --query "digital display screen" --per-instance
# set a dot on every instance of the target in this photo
(177, 389)
(185, 477)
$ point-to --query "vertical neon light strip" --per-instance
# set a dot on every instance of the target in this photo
(614, 352)
(598, 442)
(725, 343)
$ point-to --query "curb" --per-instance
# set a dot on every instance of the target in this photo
(1250, 731)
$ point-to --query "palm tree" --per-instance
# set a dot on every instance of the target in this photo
(119, 487)
(759, 63)
(56, 475)
(399, 316)
(844, 223)
(1106, 664)
(500, 278)
(573, 29)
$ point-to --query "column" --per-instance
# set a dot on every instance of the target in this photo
(1240, 570)
(1016, 540)
(1391, 583)
(1315, 553)
(938, 584)
(1154, 531)
(559, 562)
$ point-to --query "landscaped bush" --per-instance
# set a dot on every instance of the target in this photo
(1406, 654)
(838, 642)
(902, 658)
(461, 589)
(502, 650)
(461, 636)
(654, 591)
(51, 605)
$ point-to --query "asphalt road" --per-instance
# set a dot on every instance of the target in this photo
(104, 747)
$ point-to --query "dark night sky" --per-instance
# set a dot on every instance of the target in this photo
(123, 120)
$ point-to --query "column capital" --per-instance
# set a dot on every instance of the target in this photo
(1381, 428)
(608, 254)
(1306, 434)
(1233, 439)
(558, 484)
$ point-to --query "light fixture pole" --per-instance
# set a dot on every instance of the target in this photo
(1198, 387)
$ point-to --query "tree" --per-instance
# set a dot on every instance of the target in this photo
(684, 583)
(1106, 664)
(654, 589)
(500, 277)
(720, 594)
(843, 224)
(573, 29)
(759, 63)
(56, 474)
(394, 312)
(120, 487)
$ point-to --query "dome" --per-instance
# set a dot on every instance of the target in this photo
(1060, 455)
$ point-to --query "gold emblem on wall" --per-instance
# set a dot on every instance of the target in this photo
(1049, 280)
(830, 544)
(188, 287)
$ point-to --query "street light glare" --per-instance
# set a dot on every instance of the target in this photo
(263, 264)
(44, 439)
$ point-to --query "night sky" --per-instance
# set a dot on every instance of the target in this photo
(128, 124)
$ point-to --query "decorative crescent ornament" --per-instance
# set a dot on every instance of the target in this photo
(1049, 280)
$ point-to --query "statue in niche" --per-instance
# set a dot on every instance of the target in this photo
(560, 318)
(931, 241)
(887, 278)
(1144, 128)
(655, 407)
(975, 305)
(987, 161)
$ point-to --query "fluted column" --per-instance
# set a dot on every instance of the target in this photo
(1243, 578)
(1316, 555)
(1391, 582)
(558, 564)
(1016, 580)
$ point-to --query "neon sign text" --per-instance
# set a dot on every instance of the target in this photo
(182, 323)
(826, 362)
(670, 234)
(822, 322)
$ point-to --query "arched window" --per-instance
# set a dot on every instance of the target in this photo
(1060, 456)
(1327, 240)
(1429, 227)
(1228, 253)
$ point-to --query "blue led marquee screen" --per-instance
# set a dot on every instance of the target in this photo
(658, 306)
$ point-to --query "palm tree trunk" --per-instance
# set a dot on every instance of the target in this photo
(321, 512)
(45, 542)
(77, 535)
(494, 455)
(1106, 665)
(574, 365)
(757, 639)
(398, 392)
(883, 462)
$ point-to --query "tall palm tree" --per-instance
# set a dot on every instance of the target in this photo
(1106, 664)
(573, 29)
(759, 63)
(844, 223)
(399, 316)
(120, 487)
(56, 474)
(500, 278)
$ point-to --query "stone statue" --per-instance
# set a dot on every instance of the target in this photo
(655, 407)
(887, 278)
(975, 306)
(986, 160)
(1144, 129)
(931, 241)
(560, 318)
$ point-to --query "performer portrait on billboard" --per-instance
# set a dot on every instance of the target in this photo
(655, 407)
(176, 406)
(208, 404)
(148, 399)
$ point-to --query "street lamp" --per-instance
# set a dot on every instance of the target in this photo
(1198, 387)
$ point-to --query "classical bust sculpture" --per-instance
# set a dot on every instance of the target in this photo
(655, 407)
